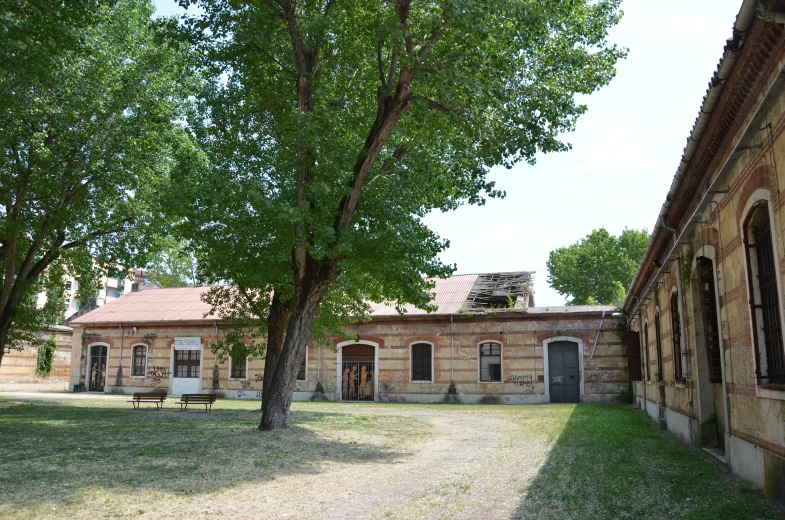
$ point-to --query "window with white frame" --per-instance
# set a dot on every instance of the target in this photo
(764, 297)
(139, 361)
(238, 362)
(421, 356)
(490, 362)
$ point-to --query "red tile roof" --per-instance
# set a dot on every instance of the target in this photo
(153, 305)
(450, 294)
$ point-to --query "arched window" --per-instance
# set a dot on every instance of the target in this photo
(678, 372)
(646, 350)
(139, 361)
(764, 298)
(658, 339)
(490, 363)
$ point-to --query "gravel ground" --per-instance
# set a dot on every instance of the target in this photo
(63, 457)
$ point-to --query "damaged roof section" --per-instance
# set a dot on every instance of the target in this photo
(501, 290)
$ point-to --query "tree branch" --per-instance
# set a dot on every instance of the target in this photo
(379, 59)
(116, 227)
(435, 37)
(393, 66)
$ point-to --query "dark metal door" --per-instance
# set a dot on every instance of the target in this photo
(564, 372)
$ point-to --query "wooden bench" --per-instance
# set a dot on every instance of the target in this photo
(206, 399)
(148, 397)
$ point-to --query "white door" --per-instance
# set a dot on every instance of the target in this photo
(187, 363)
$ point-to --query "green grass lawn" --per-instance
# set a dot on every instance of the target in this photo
(88, 458)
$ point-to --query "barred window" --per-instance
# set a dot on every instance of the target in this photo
(187, 363)
(490, 363)
(678, 372)
(139, 361)
(238, 361)
(421, 362)
(658, 339)
(646, 350)
(764, 298)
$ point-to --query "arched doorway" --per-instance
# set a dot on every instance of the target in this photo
(97, 363)
(357, 377)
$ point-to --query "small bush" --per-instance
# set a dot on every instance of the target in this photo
(46, 355)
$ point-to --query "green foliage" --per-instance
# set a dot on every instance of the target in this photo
(172, 265)
(92, 96)
(46, 355)
(472, 85)
(598, 268)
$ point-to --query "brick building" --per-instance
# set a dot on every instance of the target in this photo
(706, 304)
(162, 340)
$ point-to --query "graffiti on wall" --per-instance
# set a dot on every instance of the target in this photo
(393, 376)
(158, 373)
(524, 382)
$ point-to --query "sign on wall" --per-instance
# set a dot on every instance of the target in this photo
(188, 343)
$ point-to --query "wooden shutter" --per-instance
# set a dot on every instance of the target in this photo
(634, 355)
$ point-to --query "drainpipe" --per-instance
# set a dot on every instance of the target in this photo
(118, 380)
(452, 349)
(598, 336)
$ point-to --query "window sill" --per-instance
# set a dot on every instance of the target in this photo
(771, 391)
(138, 377)
(238, 379)
(680, 383)
(486, 382)
(422, 381)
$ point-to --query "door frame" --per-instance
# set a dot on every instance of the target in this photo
(339, 366)
(545, 344)
(200, 348)
(89, 361)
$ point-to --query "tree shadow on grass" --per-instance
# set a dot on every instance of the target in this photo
(611, 461)
(51, 453)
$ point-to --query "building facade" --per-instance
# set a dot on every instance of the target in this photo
(467, 351)
(706, 304)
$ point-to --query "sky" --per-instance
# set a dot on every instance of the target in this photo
(625, 149)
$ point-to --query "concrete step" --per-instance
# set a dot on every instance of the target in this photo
(717, 453)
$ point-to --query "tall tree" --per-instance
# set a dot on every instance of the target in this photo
(92, 96)
(333, 126)
(598, 268)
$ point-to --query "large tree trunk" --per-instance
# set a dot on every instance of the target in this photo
(5, 329)
(276, 328)
(278, 396)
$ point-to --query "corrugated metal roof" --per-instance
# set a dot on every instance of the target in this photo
(153, 305)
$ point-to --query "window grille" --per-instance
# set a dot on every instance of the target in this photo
(421, 362)
(490, 363)
(238, 369)
(139, 360)
(186, 363)
(658, 339)
(646, 350)
(711, 328)
(678, 372)
(764, 300)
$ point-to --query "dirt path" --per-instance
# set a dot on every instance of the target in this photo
(474, 465)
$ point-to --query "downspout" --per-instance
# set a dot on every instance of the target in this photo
(598, 336)
(452, 349)
(119, 379)
(215, 360)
